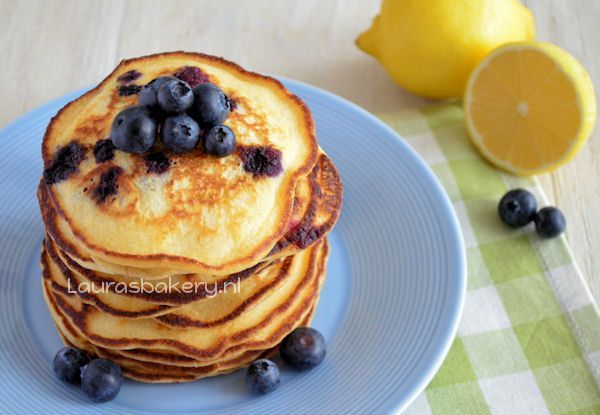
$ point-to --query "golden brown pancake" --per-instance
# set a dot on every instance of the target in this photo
(155, 292)
(263, 326)
(62, 280)
(156, 372)
(173, 368)
(221, 302)
(174, 219)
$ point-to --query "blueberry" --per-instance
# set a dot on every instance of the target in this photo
(175, 97)
(219, 141)
(133, 130)
(101, 380)
(67, 364)
(550, 222)
(304, 348)
(180, 133)
(262, 376)
(148, 96)
(517, 208)
(211, 106)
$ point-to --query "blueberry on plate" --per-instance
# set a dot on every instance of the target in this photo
(175, 97)
(101, 380)
(517, 208)
(219, 141)
(211, 106)
(148, 96)
(303, 349)
(67, 364)
(550, 222)
(180, 133)
(133, 130)
(262, 376)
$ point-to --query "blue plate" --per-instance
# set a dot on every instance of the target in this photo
(389, 308)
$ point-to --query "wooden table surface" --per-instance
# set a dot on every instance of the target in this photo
(51, 47)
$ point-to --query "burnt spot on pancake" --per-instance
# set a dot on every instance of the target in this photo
(260, 160)
(65, 163)
(129, 77)
(108, 185)
(157, 163)
(104, 150)
(192, 75)
(127, 90)
(303, 236)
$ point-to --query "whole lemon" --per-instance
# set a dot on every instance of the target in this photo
(430, 47)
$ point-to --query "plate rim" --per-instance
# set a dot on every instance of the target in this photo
(456, 230)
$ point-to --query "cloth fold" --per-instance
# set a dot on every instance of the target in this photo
(529, 337)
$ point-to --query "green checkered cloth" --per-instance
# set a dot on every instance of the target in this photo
(529, 338)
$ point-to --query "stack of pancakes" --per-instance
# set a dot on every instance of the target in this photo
(182, 266)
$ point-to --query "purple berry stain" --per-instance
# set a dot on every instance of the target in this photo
(65, 162)
(108, 184)
(260, 160)
(127, 90)
(104, 150)
(128, 76)
(192, 75)
(157, 163)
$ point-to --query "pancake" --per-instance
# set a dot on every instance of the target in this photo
(267, 283)
(231, 354)
(221, 303)
(316, 208)
(61, 280)
(175, 219)
(153, 372)
(157, 372)
(164, 371)
(155, 291)
(251, 335)
(261, 327)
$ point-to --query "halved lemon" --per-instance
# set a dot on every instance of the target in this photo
(530, 107)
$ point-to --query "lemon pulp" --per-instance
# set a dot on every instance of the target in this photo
(530, 106)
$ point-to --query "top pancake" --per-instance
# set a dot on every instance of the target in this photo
(203, 214)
